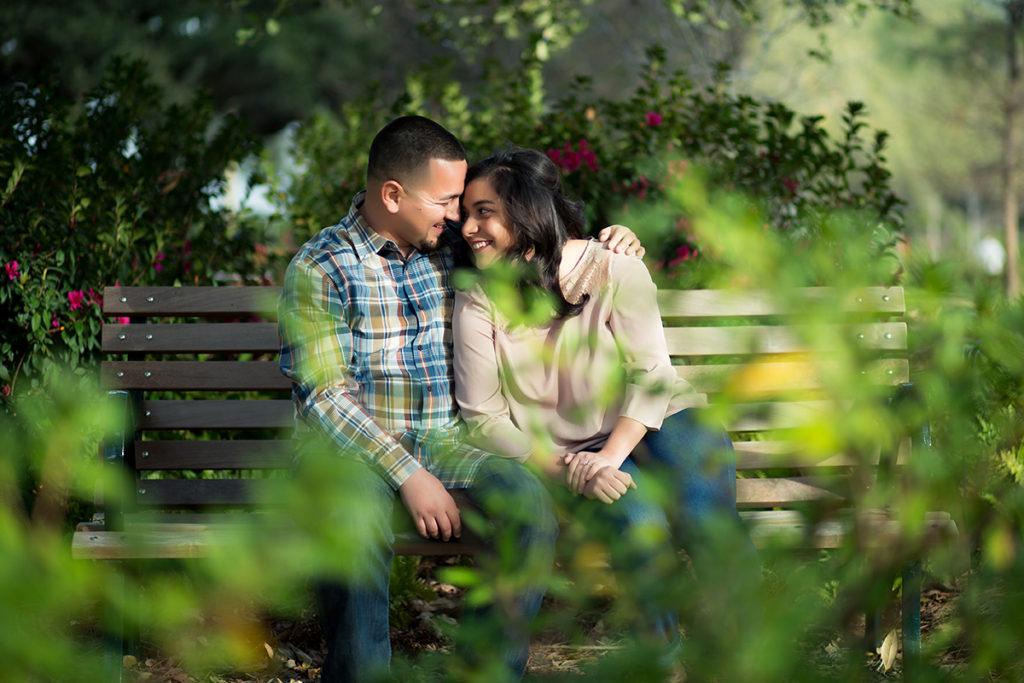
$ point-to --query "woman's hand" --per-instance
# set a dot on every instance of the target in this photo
(608, 485)
(584, 465)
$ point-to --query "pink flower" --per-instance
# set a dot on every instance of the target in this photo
(570, 158)
(54, 322)
(589, 158)
(157, 262)
(791, 185)
(12, 270)
(683, 253)
(653, 119)
(7, 390)
(76, 298)
(122, 320)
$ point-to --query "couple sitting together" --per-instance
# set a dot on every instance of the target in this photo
(415, 389)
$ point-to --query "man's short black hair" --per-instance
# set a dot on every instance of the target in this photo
(405, 147)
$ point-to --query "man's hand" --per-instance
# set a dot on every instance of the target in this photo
(622, 240)
(608, 485)
(432, 508)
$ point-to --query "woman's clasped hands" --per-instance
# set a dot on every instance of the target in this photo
(597, 475)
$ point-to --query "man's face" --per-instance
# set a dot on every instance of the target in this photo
(426, 202)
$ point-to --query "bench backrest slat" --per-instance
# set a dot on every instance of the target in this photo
(764, 339)
(777, 377)
(190, 301)
(748, 347)
(194, 375)
(253, 337)
(718, 303)
(213, 455)
(205, 493)
(216, 414)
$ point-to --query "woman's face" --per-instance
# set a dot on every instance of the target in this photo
(483, 223)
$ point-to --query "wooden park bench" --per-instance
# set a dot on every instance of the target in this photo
(216, 348)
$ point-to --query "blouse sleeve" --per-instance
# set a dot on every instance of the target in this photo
(651, 381)
(478, 383)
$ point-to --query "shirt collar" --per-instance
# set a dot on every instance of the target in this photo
(365, 239)
(368, 241)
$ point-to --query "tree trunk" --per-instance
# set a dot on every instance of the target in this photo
(1015, 19)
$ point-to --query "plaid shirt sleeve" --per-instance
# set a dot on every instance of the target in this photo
(316, 347)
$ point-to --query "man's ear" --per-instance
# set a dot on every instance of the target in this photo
(390, 194)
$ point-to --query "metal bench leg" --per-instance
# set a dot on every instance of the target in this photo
(911, 609)
(113, 629)
(872, 630)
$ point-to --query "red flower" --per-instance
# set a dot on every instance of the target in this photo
(6, 390)
(653, 119)
(12, 270)
(76, 298)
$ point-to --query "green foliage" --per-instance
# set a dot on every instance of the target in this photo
(115, 189)
(967, 352)
(620, 155)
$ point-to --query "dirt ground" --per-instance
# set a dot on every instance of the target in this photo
(292, 650)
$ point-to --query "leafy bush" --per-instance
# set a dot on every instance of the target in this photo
(115, 189)
(616, 153)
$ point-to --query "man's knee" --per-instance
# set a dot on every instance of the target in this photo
(508, 492)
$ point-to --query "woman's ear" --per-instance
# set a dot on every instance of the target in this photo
(390, 195)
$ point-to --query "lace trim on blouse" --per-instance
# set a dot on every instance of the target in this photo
(589, 275)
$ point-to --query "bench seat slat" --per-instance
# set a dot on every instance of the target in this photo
(190, 301)
(217, 414)
(214, 455)
(762, 339)
(254, 337)
(182, 375)
(181, 543)
(779, 492)
(766, 528)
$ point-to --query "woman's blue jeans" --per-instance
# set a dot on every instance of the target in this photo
(686, 499)
(354, 612)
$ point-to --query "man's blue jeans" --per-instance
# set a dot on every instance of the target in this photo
(686, 476)
(354, 613)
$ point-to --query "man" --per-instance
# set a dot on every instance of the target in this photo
(365, 323)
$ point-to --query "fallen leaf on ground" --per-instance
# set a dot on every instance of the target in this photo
(888, 650)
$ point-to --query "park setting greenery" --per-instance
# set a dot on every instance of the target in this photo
(122, 133)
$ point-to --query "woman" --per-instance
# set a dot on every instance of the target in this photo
(583, 389)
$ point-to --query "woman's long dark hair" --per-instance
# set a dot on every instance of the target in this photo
(540, 217)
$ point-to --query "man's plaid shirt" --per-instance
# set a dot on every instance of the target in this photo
(366, 340)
